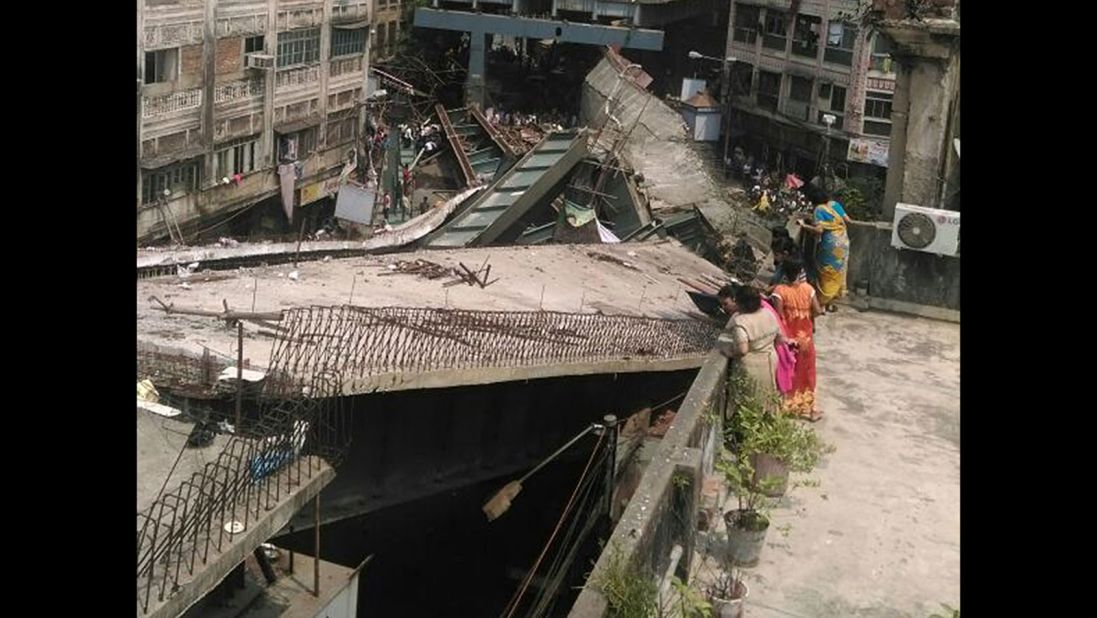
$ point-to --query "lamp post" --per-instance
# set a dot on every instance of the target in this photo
(726, 96)
(824, 165)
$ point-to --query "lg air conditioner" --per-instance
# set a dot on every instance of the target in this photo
(926, 229)
(261, 62)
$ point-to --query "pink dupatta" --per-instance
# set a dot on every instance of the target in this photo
(786, 358)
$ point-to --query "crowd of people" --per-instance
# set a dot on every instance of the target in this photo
(514, 118)
(772, 326)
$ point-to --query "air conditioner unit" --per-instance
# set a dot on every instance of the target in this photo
(262, 62)
(926, 229)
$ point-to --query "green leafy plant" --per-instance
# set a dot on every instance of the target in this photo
(756, 428)
(689, 602)
(754, 505)
(628, 592)
(681, 481)
(949, 612)
(631, 594)
(861, 197)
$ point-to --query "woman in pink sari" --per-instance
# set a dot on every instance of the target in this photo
(786, 356)
(754, 335)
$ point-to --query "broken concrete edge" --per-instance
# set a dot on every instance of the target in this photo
(214, 253)
(222, 565)
(213, 257)
(418, 227)
(399, 381)
(682, 452)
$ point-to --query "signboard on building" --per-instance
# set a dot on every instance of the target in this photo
(871, 151)
(318, 190)
(355, 203)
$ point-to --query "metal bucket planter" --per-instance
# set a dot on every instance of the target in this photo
(731, 608)
(746, 535)
(770, 471)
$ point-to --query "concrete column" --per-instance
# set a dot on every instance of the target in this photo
(475, 86)
(900, 106)
(325, 73)
(926, 86)
(951, 158)
(362, 111)
(554, 8)
(140, 81)
(270, 47)
(925, 92)
(209, 82)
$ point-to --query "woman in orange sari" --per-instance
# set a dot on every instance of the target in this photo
(798, 305)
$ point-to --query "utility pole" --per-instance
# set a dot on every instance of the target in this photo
(824, 164)
(727, 111)
(727, 62)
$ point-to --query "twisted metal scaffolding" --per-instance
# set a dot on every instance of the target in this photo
(365, 342)
(264, 463)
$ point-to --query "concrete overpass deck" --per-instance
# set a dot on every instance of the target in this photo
(639, 280)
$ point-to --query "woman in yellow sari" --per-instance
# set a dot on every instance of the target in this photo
(829, 223)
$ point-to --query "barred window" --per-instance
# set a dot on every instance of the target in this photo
(347, 42)
(746, 23)
(236, 157)
(340, 130)
(177, 178)
(298, 47)
(776, 30)
(840, 39)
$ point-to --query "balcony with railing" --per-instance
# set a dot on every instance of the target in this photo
(231, 93)
(171, 104)
(345, 10)
(343, 70)
(290, 79)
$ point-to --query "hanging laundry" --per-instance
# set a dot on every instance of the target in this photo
(287, 173)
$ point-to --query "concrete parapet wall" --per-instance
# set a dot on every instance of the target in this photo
(890, 274)
(663, 510)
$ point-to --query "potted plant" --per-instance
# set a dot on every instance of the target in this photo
(746, 525)
(728, 593)
(775, 443)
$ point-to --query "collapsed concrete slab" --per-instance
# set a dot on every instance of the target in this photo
(657, 146)
(633, 280)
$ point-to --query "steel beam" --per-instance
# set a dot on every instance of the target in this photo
(537, 28)
(456, 145)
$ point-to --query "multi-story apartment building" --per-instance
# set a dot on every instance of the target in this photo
(229, 90)
(389, 21)
(794, 68)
